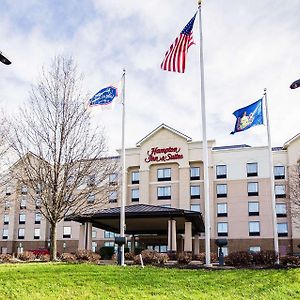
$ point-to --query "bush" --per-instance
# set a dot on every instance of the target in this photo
(264, 257)
(87, 255)
(107, 252)
(44, 257)
(184, 258)
(68, 257)
(172, 255)
(239, 258)
(290, 260)
(4, 258)
(201, 257)
(151, 257)
(129, 256)
(26, 256)
(138, 250)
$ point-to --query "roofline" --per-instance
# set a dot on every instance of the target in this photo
(287, 143)
(138, 144)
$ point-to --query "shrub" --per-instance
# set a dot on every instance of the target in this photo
(44, 257)
(289, 260)
(87, 255)
(184, 258)
(26, 256)
(129, 256)
(151, 257)
(239, 258)
(107, 252)
(5, 258)
(265, 257)
(68, 257)
(138, 250)
(201, 257)
(172, 255)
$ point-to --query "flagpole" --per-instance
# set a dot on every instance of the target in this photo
(276, 247)
(123, 196)
(205, 148)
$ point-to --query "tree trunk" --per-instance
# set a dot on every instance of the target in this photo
(53, 244)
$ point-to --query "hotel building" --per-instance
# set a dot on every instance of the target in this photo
(165, 173)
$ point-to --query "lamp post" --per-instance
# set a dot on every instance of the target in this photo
(4, 60)
(295, 84)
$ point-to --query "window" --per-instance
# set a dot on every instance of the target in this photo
(253, 208)
(38, 217)
(110, 235)
(166, 205)
(94, 234)
(90, 198)
(225, 251)
(8, 191)
(195, 191)
(221, 171)
(221, 209)
(254, 249)
(135, 195)
(282, 229)
(279, 190)
(252, 188)
(163, 192)
(281, 210)
(135, 177)
(94, 246)
(279, 172)
(24, 190)
(23, 203)
(6, 204)
(222, 228)
(221, 190)
(109, 244)
(5, 234)
(6, 219)
(113, 179)
(195, 207)
(254, 228)
(194, 173)
(37, 233)
(252, 169)
(67, 232)
(22, 218)
(21, 233)
(112, 197)
(164, 174)
(38, 189)
(38, 203)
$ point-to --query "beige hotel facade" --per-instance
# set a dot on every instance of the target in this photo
(166, 169)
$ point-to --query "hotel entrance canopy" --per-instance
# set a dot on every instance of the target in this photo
(142, 219)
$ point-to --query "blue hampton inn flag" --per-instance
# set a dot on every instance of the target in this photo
(248, 116)
(107, 97)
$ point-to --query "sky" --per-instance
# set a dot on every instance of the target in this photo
(248, 46)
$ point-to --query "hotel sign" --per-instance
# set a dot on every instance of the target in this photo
(156, 154)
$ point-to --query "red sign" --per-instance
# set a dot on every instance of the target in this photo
(163, 154)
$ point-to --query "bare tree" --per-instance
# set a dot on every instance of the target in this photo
(294, 193)
(62, 156)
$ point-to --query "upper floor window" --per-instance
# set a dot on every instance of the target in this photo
(6, 204)
(37, 233)
(221, 209)
(110, 234)
(38, 189)
(221, 171)
(8, 190)
(252, 188)
(24, 190)
(194, 173)
(6, 219)
(21, 233)
(282, 229)
(195, 191)
(252, 169)
(5, 234)
(22, 218)
(254, 228)
(94, 234)
(112, 197)
(67, 232)
(280, 191)
(135, 177)
(281, 209)
(253, 208)
(279, 172)
(38, 218)
(91, 181)
(163, 192)
(113, 178)
(23, 203)
(38, 203)
(222, 228)
(164, 174)
(91, 198)
(195, 207)
(135, 195)
(221, 190)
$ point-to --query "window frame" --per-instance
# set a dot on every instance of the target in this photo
(192, 207)
(279, 175)
(112, 199)
(6, 219)
(164, 177)
(222, 233)
(67, 234)
(5, 236)
(22, 218)
(279, 213)
(135, 177)
(253, 212)
(20, 230)
(135, 199)
(219, 173)
(37, 237)
(221, 213)
(195, 176)
(253, 193)
(195, 195)
(221, 195)
(280, 195)
(251, 173)
(165, 196)
(284, 232)
(253, 233)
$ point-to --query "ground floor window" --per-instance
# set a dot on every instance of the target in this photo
(158, 248)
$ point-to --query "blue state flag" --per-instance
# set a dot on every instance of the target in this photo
(107, 97)
(248, 116)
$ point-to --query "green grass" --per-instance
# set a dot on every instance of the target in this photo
(84, 281)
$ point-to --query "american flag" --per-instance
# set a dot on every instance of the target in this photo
(175, 57)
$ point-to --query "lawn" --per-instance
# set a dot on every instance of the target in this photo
(86, 281)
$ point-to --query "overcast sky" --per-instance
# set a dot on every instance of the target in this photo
(248, 46)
